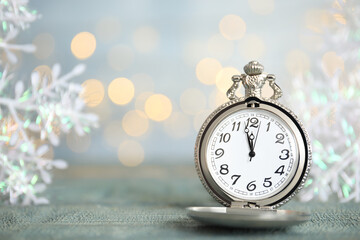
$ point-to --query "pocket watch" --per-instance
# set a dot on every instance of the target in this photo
(252, 155)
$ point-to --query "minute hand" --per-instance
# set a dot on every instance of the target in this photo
(256, 136)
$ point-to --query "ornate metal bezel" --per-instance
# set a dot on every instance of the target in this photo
(304, 147)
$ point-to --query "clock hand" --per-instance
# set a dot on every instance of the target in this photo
(257, 135)
(246, 130)
(252, 137)
(252, 152)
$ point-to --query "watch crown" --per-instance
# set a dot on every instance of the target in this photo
(253, 81)
(253, 68)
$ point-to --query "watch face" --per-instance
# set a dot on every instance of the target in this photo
(251, 154)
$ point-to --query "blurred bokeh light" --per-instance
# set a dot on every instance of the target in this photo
(135, 123)
(156, 70)
(83, 45)
(121, 91)
(158, 107)
(145, 39)
(332, 63)
(297, 62)
(223, 78)
(131, 153)
(93, 92)
(232, 27)
(207, 69)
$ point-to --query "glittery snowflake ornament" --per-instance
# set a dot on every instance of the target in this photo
(33, 114)
(330, 108)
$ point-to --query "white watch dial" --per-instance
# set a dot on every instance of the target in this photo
(252, 154)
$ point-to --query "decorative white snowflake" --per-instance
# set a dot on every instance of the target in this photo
(32, 116)
(330, 108)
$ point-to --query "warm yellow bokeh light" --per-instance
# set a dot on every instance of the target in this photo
(331, 63)
(142, 82)
(145, 39)
(200, 118)
(262, 7)
(178, 125)
(121, 91)
(158, 107)
(108, 29)
(135, 123)
(220, 48)
(297, 62)
(83, 45)
(45, 76)
(13, 53)
(232, 27)
(131, 153)
(207, 69)
(44, 44)
(93, 92)
(192, 101)
(252, 47)
(44, 71)
(120, 57)
(223, 78)
(340, 18)
(267, 91)
(141, 100)
(113, 133)
(319, 19)
(78, 144)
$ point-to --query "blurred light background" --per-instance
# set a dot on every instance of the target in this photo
(156, 69)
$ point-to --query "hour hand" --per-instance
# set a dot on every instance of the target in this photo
(246, 130)
(250, 139)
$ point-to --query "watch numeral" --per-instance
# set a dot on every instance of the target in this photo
(280, 170)
(236, 178)
(280, 138)
(254, 122)
(236, 125)
(251, 186)
(219, 153)
(268, 126)
(286, 153)
(267, 182)
(225, 137)
(224, 169)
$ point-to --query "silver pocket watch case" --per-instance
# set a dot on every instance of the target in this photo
(242, 212)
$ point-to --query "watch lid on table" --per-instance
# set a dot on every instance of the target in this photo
(247, 218)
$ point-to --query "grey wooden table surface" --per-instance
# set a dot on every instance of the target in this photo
(148, 202)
